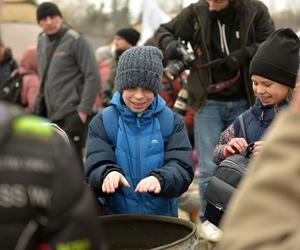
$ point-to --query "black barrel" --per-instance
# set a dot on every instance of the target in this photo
(148, 232)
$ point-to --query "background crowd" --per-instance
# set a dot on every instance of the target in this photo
(214, 61)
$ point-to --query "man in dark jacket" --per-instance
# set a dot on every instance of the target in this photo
(72, 80)
(226, 32)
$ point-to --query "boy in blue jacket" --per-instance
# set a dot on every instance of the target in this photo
(143, 170)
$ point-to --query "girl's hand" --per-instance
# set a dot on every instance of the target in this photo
(257, 147)
(235, 146)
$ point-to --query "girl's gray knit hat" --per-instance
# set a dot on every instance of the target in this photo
(140, 66)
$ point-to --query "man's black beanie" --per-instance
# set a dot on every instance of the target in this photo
(47, 9)
(277, 58)
(130, 35)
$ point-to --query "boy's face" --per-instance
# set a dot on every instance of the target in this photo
(269, 92)
(138, 99)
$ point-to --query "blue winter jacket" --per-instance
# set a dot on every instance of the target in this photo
(256, 119)
(140, 152)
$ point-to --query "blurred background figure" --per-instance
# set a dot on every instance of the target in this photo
(31, 82)
(103, 57)
(7, 63)
(37, 209)
(71, 81)
(124, 39)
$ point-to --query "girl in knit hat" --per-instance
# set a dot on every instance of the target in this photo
(273, 71)
(135, 163)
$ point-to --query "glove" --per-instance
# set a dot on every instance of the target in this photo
(236, 59)
(171, 51)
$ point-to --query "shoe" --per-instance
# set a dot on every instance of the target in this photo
(210, 231)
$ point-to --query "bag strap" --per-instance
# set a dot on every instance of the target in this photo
(50, 59)
(246, 152)
(111, 122)
(166, 121)
(242, 126)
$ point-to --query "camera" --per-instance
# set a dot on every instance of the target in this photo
(181, 102)
(176, 67)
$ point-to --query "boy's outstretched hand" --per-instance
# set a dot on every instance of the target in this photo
(112, 182)
(149, 184)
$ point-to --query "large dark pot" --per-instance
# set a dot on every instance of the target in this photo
(148, 232)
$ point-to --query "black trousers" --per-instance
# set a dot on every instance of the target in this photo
(76, 131)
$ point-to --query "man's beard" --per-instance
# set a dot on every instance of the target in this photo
(222, 14)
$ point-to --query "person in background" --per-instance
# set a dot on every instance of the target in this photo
(124, 39)
(141, 172)
(103, 57)
(272, 70)
(37, 209)
(31, 82)
(7, 63)
(224, 35)
(73, 79)
(264, 214)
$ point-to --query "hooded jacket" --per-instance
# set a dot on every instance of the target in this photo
(193, 25)
(256, 121)
(140, 151)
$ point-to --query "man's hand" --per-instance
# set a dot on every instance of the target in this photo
(112, 182)
(82, 116)
(235, 146)
(171, 51)
(149, 184)
(236, 58)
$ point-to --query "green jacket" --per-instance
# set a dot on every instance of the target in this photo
(193, 24)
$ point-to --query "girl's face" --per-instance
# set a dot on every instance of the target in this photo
(138, 99)
(269, 92)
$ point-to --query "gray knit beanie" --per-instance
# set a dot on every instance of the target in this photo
(140, 66)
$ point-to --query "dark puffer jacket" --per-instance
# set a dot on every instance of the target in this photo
(256, 121)
(140, 151)
(193, 25)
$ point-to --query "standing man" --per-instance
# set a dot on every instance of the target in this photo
(229, 32)
(72, 80)
(124, 39)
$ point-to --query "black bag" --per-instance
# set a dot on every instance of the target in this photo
(10, 90)
(224, 183)
(40, 108)
(225, 180)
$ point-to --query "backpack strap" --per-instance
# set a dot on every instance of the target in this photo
(111, 122)
(242, 125)
(166, 121)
